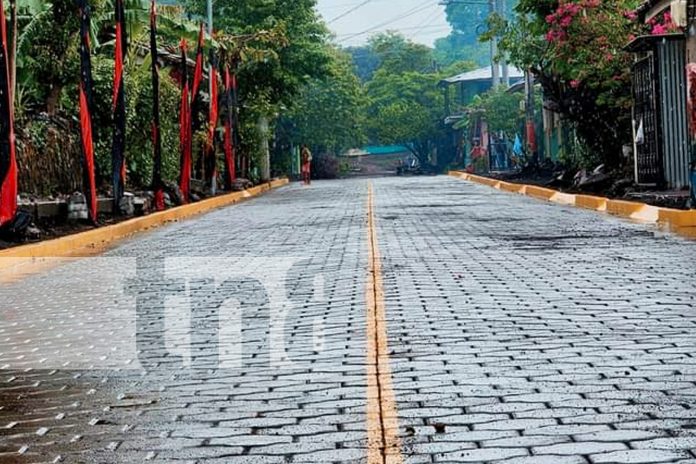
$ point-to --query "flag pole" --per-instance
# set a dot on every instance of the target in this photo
(211, 70)
(118, 160)
(185, 126)
(86, 104)
(157, 184)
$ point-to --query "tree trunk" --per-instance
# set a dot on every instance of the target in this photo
(52, 100)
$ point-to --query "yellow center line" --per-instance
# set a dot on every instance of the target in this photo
(384, 446)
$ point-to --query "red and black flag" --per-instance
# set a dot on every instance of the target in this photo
(86, 105)
(118, 158)
(8, 161)
(196, 121)
(211, 161)
(185, 129)
(157, 183)
(198, 70)
(230, 169)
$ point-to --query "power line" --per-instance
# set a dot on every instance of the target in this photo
(405, 29)
(351, 10)
(426, 24)
(417, 9)
(348, 4)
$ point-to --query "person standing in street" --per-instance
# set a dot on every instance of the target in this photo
(306, 157)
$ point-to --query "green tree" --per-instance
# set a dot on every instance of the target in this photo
(501, 109)
(575, 50)
(397, 54)
(456, 47)
(329, 112)
(295, 56)
(469, 20)
(299, 58)
(365, 61)
(406, 109)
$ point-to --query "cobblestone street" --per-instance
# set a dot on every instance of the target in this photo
(391, 320)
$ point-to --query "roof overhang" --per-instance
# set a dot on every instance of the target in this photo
(646, 43)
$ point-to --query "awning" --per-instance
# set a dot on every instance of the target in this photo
(646, 43)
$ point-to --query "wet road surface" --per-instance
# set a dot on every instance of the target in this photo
(393, 320)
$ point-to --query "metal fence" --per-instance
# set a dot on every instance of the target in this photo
(671, 64)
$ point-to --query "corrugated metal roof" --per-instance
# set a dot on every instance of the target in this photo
(481, 74)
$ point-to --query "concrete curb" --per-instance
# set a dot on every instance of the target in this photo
(93, 241)
(674, 218)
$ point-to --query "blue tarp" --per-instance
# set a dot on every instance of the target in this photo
(386, 149)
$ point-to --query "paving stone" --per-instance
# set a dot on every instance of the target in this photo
(579, 448)
(638, 457)
(519, 331)
(481, 455)
(552, 459)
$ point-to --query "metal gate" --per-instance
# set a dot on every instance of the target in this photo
(648, 151)
(671, 70)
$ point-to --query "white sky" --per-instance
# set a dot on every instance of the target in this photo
(422, 21)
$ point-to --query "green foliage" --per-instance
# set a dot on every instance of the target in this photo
(139, 148)
(272, 72)
(469, 21)
(329, 112)
(301, 55)
(365, 61)
(47, 50)
(405, 109)
(458, 67)
(398, 55)
(455, 48)
(404, 101)
(575, 50)
(501, 109)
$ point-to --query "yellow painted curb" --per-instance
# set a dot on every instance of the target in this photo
(591, 202)
(92, 241)
(622, 207)
(510, 187)
(680, 221)
(678, 218)
(540, 192)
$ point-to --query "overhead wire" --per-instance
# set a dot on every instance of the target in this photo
(351, 10)
(426, 23)
(409, 13)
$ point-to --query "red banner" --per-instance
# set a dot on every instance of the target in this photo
(211, 168)
(185, 129)
(118, 158)
(86, 112)
(8, 160)
(198, 70)
(231, 174)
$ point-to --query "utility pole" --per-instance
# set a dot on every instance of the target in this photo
(492, 9)
(495, 66)
(210, 17)
(502, 5)
(213, 182)
(529, 111)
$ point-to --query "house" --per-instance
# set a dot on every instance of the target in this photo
(469, 84)
(663, 140)
(456, 145)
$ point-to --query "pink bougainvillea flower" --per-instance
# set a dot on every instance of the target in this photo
(575, 83)
(659, 29)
